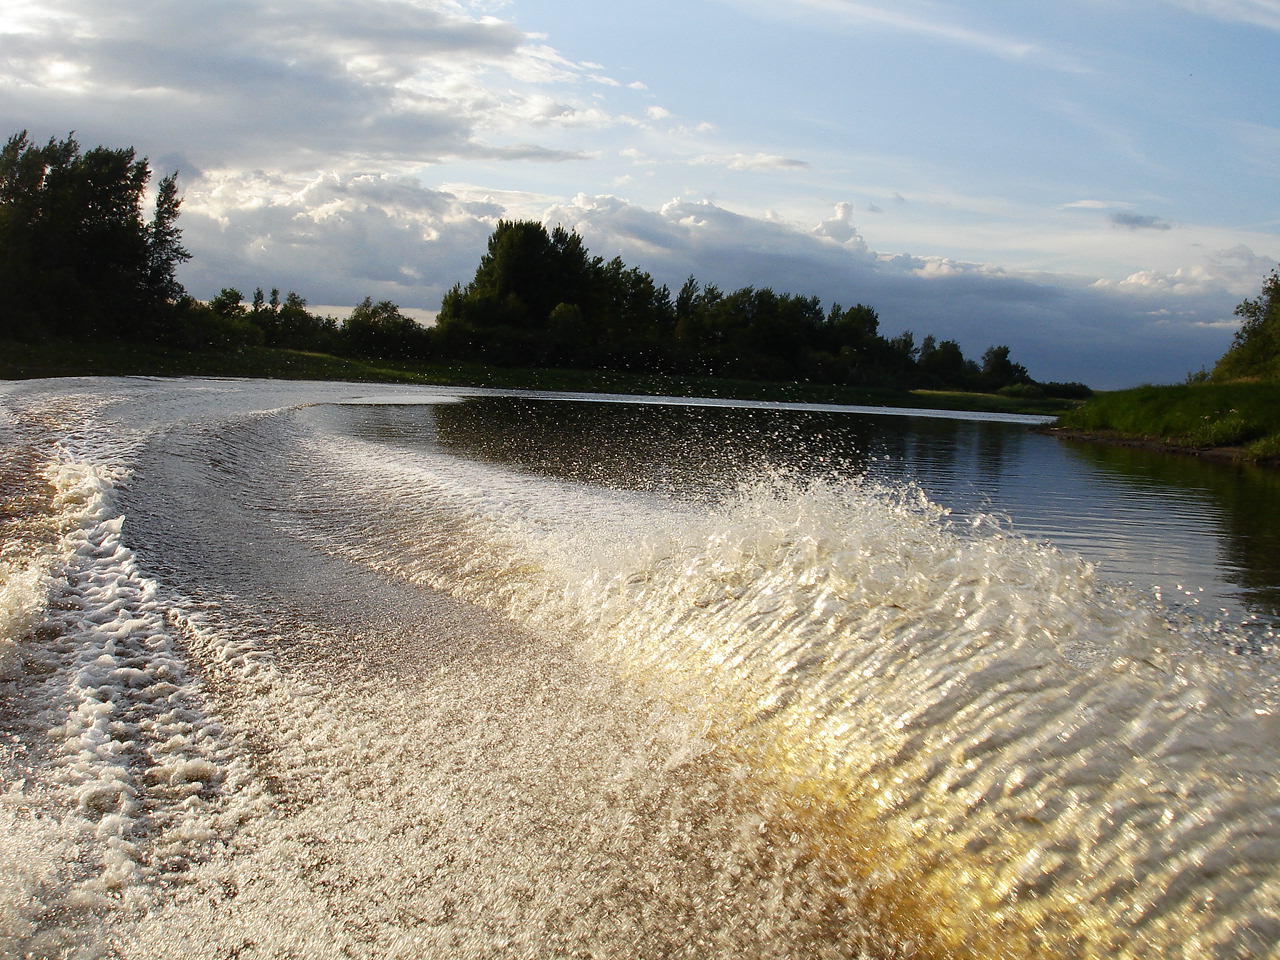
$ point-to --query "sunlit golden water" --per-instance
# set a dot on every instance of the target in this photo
(986, 742)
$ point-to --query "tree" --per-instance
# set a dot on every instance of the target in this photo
(1255, 351)
(228, 303)
(942, 364)
(539, 297)
(164, 244)
(77, 256)
(999, 371)
(381, 330)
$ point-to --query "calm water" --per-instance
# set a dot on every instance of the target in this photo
(1203, 537)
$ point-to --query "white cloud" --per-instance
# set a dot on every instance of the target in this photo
(841, 228)
(293, 85)
(333, 237)
(1238, 271)
(339, 236)
(1063, 328)
(1096, 205)
(753, 162)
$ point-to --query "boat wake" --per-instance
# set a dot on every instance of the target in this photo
(806, 714)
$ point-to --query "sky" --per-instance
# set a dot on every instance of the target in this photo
(1092, 182)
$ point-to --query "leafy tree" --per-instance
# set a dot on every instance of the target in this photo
(942, 364)
(228, 303)
(164, 244)
(999, 371)
(539, 297)
(381, 330)
(77, 256)
(1255, 351)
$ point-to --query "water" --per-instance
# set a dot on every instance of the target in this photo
(331, 670)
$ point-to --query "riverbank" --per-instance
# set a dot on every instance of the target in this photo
(23, 361)
(1226, 421)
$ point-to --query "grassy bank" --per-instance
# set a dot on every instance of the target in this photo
(1235, 419)
(108, 358)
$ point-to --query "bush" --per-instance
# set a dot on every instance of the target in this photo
(1023, 391)
(1071, 390)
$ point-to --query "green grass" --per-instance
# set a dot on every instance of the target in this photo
(1205, 415)
(108, 358)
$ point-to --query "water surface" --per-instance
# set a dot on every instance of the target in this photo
(1199, 535)
(329, 671)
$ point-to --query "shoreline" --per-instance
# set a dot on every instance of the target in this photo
(1222, 454)
(19, 361)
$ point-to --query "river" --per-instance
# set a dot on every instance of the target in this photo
(333, 670)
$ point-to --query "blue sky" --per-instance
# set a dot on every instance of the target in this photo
(1093, 183)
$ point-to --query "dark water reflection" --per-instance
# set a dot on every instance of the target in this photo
(1201, 535)
(1241, 502)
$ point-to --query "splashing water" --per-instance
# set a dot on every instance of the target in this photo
(816, 715)
(982, 739)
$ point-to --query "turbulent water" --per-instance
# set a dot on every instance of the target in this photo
(285, 675)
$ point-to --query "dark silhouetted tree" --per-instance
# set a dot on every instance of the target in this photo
(77, 256)
(540, 298)
(381, 330)
(999, 371)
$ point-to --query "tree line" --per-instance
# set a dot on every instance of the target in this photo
(79, 258)
(539, 297)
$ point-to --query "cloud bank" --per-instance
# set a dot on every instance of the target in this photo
(338, 237)
(1062, 328)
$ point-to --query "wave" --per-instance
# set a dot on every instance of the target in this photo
(935, 730)
(981, 739)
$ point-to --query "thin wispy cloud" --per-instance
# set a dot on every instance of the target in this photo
(752, 161)
(941, 23)
(1261, 13)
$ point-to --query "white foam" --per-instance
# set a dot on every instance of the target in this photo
(134, 779)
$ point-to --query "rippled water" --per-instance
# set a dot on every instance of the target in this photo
(316, 670)
(1197, 534)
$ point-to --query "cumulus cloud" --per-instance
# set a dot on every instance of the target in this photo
(1236, 271)
(292, 85)
(339, 236)
(1135, 221)
(334, 237)
(841, 228)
